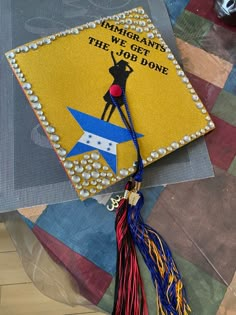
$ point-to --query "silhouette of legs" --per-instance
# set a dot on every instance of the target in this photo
(105, 110)
(111, 112)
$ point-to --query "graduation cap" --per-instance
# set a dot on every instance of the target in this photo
(103, 92)
(66, 78)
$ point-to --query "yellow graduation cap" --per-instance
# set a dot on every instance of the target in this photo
(67, 78)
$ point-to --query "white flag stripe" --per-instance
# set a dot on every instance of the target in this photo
(97, 142)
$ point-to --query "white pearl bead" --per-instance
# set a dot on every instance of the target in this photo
(187, 139)
(68, 164)
(150, 35)
(175, 145)
(185, 80)
(61, 152)
(79, 169)
(149, 159)
(36, 105)
(86, 175)
(92, 25)
(75, 31)
(180, 73)
(85, 183)
(24, 48)
(47, 41)
(34, 98)
(95, 174)
(170, 56)
(54, 138)
(33, 46)
(50, 129)
(128, 21)
(140, 11)
(97, 165)
(84, 193)
(154, 154)
(195, 98)
(105, 182)
(11, 55)
(75, 179)
(199, 105)
(26, 86)
(142, 23)
(42, 118)
(202, 131)
(162, 151)
(124, 172)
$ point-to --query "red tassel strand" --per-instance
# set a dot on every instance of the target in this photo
(129, 290)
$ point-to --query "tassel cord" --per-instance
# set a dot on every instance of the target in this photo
(129, 125)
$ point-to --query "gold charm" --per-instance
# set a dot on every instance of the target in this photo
(114, 203)
(133, 198)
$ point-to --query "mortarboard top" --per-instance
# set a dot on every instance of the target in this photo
(66, 78)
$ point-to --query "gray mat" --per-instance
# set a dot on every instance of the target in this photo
(30, 173)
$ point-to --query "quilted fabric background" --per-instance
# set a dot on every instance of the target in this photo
(196, 218)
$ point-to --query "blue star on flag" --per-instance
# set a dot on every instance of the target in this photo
(99, 135)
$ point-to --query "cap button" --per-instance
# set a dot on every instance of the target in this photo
(115, 90)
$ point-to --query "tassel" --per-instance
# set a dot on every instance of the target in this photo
(160, 262)
(171, 297)
(129, 291)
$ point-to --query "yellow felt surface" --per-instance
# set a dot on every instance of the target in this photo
(71, 72)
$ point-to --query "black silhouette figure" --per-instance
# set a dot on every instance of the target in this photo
(120, 72)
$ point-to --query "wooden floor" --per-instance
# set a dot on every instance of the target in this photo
(18, 296)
